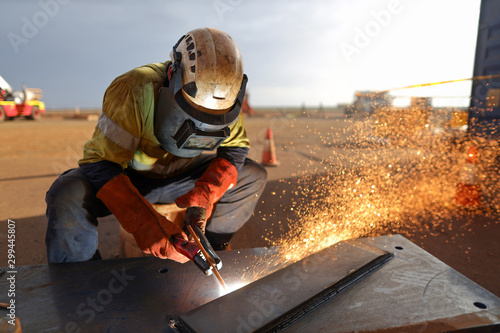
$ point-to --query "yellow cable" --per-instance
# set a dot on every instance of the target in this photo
(475, 78)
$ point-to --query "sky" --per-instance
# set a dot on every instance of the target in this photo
(316, 52)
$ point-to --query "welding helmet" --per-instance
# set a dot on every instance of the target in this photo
(204, 94)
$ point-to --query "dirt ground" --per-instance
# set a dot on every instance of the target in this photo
(319, 165)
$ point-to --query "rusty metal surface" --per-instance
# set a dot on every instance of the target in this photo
(412, 292)
(276, 301)
(124, 295)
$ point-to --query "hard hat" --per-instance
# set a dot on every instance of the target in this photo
(204, 94)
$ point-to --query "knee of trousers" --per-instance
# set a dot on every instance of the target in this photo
(252, 174)
(237, 205)
(71, 218)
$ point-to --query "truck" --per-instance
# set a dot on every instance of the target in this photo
(481, 147)
(24, 103)
(405, 124)
(484, 111)
(366, 102)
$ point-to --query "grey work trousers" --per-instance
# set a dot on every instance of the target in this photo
(73, 208)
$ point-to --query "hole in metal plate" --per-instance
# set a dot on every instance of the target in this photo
(480, 305)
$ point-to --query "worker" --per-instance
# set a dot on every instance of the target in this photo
(147, 147)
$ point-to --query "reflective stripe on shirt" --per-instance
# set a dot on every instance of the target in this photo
(142, 162)
(117, 134)
(155, 168)
(136, 165)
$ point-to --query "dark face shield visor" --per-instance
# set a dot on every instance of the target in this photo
(185, 131)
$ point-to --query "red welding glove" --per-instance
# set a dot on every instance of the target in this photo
(219, 177)
(150, 229)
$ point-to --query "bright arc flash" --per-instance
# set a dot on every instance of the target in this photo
(230, 288)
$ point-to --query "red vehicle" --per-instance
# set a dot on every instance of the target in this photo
(25, 103)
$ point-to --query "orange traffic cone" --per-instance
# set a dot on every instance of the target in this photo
(468, 189)
(269, 155)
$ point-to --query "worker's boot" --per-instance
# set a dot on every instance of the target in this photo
(96, 256)
(219, 242)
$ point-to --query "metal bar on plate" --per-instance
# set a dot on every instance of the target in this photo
(280, 299)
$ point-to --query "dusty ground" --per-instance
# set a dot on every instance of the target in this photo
(321, 163)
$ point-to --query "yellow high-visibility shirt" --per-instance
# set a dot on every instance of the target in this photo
(125, 131)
